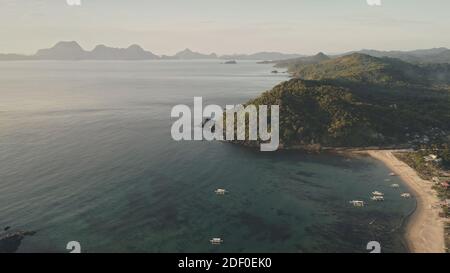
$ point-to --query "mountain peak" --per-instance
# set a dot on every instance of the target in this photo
(99, 48)
(67, 43)
(63, 50)
(358, 58)
(133, 52)
(302, 61)
(188, 54)
(186, 51)
(71, 50)
(135, 47)
(359, 55)
(320, 57)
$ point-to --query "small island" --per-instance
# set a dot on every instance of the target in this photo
(10, 240)
(230, 62)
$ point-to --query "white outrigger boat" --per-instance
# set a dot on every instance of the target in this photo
(377, 198)
(406, 195)
(357, 203)
(395, 186)
(377, 193)
(220, 191)
(392, 174)
(216, 241)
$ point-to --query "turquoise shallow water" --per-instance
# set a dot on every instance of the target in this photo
(86, 155)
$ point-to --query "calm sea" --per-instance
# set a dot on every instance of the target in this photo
(86, 155)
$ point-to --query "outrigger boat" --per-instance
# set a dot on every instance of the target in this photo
(357, 203)
(406, 195)
(377, 193)
(216, 241)
(377, 198)
(395, 186)
(220, 191)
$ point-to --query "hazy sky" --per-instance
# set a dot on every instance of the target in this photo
(226, 26)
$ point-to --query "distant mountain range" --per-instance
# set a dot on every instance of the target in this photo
(320, 57)
(368, 69)
(420, 56)
(133, 52)
(73, 51)
(188, 54)
(434, 55)
(262, 56)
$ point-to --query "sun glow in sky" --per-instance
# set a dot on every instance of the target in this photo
(231, 26)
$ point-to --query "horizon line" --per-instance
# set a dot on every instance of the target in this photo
(218, 54)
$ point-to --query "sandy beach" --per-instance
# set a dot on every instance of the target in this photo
(425, 229)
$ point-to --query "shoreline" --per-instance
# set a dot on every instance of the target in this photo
(424, 229)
